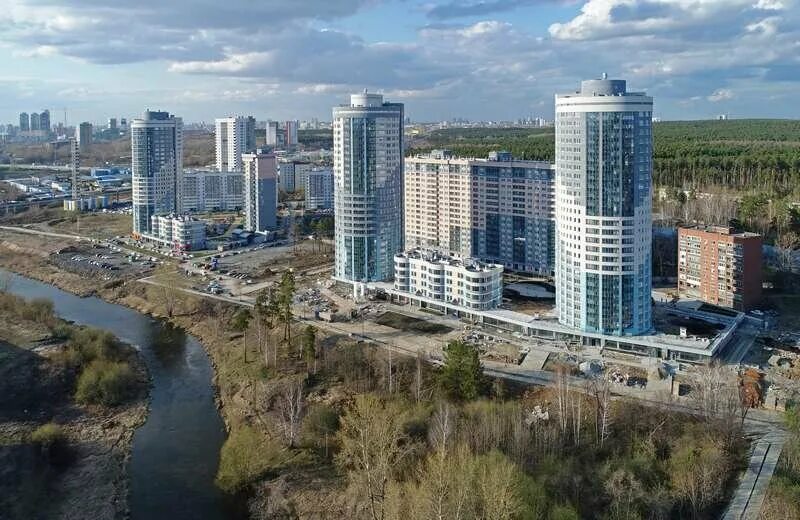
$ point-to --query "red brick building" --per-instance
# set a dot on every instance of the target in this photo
(719, 266)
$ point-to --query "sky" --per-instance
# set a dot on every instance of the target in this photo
(477, 59)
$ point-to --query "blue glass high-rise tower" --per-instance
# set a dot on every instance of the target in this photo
(368, 187)
(604, 170)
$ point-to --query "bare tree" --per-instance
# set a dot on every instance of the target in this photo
(373, 444)
(718, 394)
(290, 406)
(442, 428)
(599, 388)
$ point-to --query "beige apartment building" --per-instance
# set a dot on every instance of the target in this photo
(497, 209)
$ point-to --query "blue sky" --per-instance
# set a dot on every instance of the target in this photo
(481, 59)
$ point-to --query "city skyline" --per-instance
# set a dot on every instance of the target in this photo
(490, 60)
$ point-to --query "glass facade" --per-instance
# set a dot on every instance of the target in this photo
(603, 209)
(156, 164)
(368, 188)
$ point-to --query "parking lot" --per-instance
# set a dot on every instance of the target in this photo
(103, 261)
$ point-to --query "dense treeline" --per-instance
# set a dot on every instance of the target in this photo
(746, 155)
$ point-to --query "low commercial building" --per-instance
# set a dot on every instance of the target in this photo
(180, 232)
(468, 283)
(319, 189)
(213, 190)
(719, 266)
(497, 209)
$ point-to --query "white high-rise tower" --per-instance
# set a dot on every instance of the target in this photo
(604, 170)
(232, 137)
(157, 167)
(368, 187)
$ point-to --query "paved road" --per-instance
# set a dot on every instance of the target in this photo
(42, 233)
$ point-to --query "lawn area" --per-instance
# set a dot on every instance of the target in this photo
(411, 324)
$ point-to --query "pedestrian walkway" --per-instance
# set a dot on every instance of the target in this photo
(749, 496)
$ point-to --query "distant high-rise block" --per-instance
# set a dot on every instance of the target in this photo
(84, 136)
(233, 136)
(260, 191)
(44, 120)
(157, 167)
(719, 266)
(35, 121)
(290, 129)
(319, 189)
(24, 122)
(112, 124)
(274, 136)
(604, 170)
(368, 187)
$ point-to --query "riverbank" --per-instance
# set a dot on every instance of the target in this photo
(60, 458)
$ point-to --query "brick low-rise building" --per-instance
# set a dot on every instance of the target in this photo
(719, 266)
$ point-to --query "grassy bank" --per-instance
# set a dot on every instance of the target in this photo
(70, 400)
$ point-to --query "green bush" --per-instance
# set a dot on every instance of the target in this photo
(246, 455)
(320, 425)
(47, 435)
(105, 382)
(94, 344)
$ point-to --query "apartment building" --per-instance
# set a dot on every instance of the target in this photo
(156, 166)
(292, 174)
(368, 189)
(604, 172)
(180, 232)
(720, 266)
(319, 189)
(496, 209)
(213, 190)
(233, 136)
(427, 273)
(260, 191)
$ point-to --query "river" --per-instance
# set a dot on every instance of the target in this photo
(175, 452)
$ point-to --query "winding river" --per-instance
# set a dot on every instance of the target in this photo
(176, 451)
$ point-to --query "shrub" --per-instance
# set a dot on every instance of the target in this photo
(94, 344)
(246, 455)
(52, 443)
(107, 383)
(320, 425)
(47, 435)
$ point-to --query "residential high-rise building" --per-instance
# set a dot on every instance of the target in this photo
(212, 191)
(604, 169)
(260, 191)
(719, 266)
(44, 120)
(123, 124)
(292, 174)
(319, 189)
(249, 135)
(84, 136)
(274, 137)
(112, 124)
(499, 209)
(290, 131)
(24, 122)
(368, 187)
(232, 139)
(157, 167)
(35, 122)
